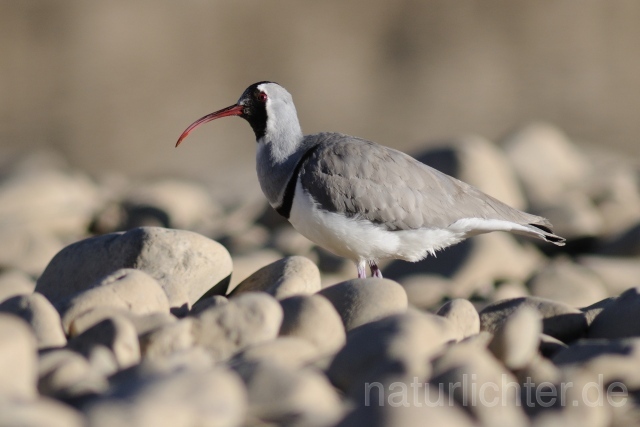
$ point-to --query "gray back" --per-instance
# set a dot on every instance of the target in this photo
(361, 179)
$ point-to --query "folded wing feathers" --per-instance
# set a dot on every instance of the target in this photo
(362, 179)
(546, 234)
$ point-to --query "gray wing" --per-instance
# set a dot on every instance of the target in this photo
(359, 178)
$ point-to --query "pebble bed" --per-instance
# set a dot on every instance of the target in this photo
(150, 304)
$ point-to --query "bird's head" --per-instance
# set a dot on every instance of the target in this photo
(268, 108)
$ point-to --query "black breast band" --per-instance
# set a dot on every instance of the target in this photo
(287, 200)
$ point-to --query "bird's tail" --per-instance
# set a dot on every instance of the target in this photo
(541, 232)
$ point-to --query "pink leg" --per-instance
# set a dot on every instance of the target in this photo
(375, 270)
(362, 270)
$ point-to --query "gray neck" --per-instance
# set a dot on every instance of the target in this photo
(279, 151)
(281, 146)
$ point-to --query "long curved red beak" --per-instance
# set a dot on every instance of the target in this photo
(234, 110)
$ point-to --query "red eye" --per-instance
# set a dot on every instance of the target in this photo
(262, 97)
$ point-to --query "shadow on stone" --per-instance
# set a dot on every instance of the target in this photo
(218, 289)
(445, 264)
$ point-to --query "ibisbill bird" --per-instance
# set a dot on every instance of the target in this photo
(361, 200)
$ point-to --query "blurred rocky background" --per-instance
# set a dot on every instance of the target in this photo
(209, 309)
(112, 84)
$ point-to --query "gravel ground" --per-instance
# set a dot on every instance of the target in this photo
(150, 304)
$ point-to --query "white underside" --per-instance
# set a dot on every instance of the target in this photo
(361, 240)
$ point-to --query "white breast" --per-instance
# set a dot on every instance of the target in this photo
(359, 239)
